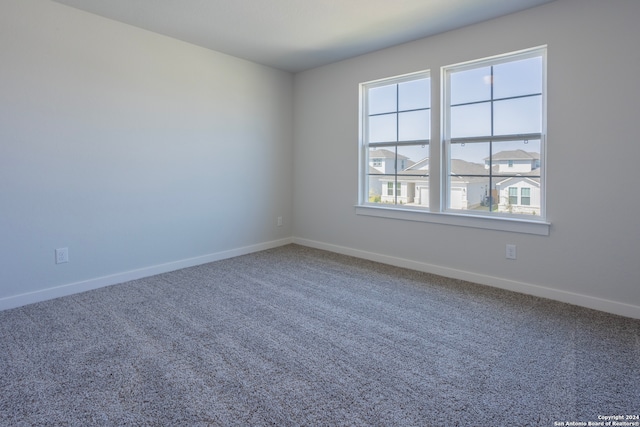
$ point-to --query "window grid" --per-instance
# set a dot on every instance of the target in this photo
(394, 146)
(500, 111)
(493, 206)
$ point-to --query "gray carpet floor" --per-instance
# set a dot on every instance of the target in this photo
(295, 336)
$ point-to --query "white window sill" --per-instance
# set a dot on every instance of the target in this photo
(515, 225)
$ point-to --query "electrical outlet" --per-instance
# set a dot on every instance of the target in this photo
(511, 252)
(62, 255)
(279, 221)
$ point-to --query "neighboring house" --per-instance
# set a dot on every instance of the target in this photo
(384, 161)
(470, 183)
(382, 188)
(520, 194)
(468, 190)
(514, 161)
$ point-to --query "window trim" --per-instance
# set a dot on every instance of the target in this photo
(438, 213)
(539, 51)
(363, 197)
(498, 223)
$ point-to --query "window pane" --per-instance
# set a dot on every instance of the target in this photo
(398, 111)
(375, 189)
(471, 120)
(382, 99)
(523, 156)
(413, 160)
(414, 94)
(521, 115)
(409, 186)
(470, 156)
(517, 78)
(522, 179)
(414, 125)
(508, 189)
(387, 184)
(471, 85)
(469, 193)
(383, 128)
(382, 160)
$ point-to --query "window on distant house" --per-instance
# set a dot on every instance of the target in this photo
(525, 196)
(492, 145)
(396, 126)
(494, 132)
(391, 192)
(513, 196)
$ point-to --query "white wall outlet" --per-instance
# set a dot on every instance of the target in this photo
(511, 252)
(279, 221)
(62, 255)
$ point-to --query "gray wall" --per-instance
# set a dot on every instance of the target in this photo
(592, 255)
(138, 152)
(142, 154)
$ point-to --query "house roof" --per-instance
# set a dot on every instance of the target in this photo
(462, 167)
(462, 171)
(419, 165)
(515, 155)
(534, 180)
(385, 154)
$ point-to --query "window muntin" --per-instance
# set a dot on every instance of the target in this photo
(396, 129)
(493, 135)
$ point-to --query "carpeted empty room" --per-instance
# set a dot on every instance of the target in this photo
(319, 213)
(300, 336)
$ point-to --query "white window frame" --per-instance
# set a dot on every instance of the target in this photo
(363, 197)
(437, 212)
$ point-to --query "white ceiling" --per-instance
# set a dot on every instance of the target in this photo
(296, 35)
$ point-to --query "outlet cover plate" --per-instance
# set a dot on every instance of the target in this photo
(62, 255)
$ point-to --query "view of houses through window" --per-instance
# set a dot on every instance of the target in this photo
(398, 131)
(492, 146)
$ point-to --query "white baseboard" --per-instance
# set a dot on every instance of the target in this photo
(113, 279)
(600, 304)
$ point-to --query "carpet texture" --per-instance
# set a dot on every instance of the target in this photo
(296, 336)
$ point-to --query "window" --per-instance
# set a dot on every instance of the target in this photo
(493, 133)
(525, 196)
(491, 153)
(396, 128)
